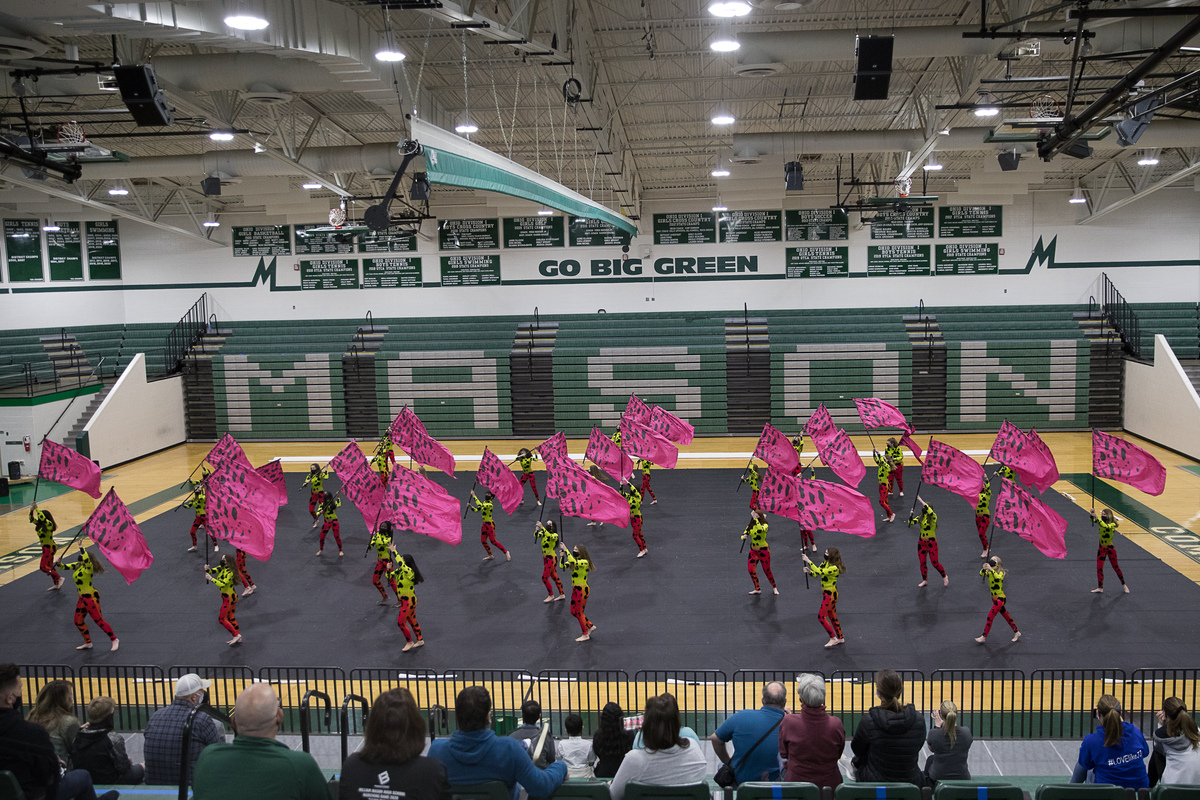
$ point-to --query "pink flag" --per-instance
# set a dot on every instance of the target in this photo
(1115, 458)
(832, 507)
(499, 479)
(1016, 448)
(671, 427)
(779, 494)
(907, 441)
(418, 504)
(1031, 519)
(602, 452)
(242, 508)
(636, 410)
(113, 528)
(641, 442)
(819, 424)
(429, 451)
(581, 495)
(954, 470)
(64, 465)
(359, 483)
(838, 453)
(877, 414)
(273, 471)
(776, 449)
(1051, 477)
(554, 447)
(227, 449)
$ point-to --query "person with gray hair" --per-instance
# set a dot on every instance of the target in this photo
(755, 737)
(811, 741)
(256, 765)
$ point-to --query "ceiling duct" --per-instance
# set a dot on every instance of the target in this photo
(16, 49)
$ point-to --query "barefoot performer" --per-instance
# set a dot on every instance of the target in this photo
(634, 498)
(983, 515)
(1108, 527)
(45, 526)
(527, 458)
(993, 572)
(884, 465)
(405, 578)
(896, 477)
(927, 543)
(828, 572)
(329, 507)
(225, 577)
(381, 540)
(580, 564)
(315, 481)
(547, 536)
(89, 599)
(485, 509)
(759, 550)
(645, 466)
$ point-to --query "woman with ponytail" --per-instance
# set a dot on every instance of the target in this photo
(1176, 758)
(1116, 752)
(889, 736)
(949, 744)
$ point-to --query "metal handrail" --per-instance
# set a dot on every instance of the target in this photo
(366, 710)
(304, 721)
(370, 320)
(187, 333)
(1121, 316)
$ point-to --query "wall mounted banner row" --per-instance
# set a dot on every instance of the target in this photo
(65, 250)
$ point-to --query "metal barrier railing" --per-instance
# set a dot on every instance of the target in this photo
(1121, 316)
(994, 704)
(186, 334)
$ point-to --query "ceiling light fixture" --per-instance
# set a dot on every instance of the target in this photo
(720, 208)
(729, 8)
(544, 212)
(118, 191)
(211, 221)
(221, 136)
(51, 226)
(1148, 159)
(465, 125)
(720, 172)
(724, 43)
(246, 22)
(1077, 196)
(932, 165)
(388, 54)
(987, 106)
(723, 117)
(310, 186)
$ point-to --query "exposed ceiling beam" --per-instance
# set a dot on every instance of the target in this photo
(1133, 198)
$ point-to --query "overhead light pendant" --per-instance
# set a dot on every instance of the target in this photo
(118, 191)
(51, 226)
(389, 54)
(465, 126)
(987, 106)
(210, 221)
(722, 116)
(1148, 159)
(310, 186)
(1077, 197)
(724, 41)
(243, 21)
(720, 172)
(544, 212)
(932, 165)
(729, 8)
(221, 136)
(719, 207)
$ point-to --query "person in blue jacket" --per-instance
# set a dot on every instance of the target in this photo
(1116, 753)
(475, 754)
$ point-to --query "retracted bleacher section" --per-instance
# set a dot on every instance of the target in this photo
(1179, 322)
(724, 372)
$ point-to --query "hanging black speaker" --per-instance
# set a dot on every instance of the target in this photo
(141, 95)
(1008, 161)
(873, 74)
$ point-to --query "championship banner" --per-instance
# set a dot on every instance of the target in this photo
(63, 465)
(114, 530)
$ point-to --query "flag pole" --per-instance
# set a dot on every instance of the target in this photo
(991, 528)
(37, 482)
(921, 482)
(374, 529)
(82, 531)
(473, 484)
(743, 479)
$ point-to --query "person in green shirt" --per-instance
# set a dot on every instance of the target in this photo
(927, 542)
(1108, 528)
(759, 550)
(256, 765)
(485, 508)
(527, 458)
(45, 526)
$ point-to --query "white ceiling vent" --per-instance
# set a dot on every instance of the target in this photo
(757, 70)
(15, 49)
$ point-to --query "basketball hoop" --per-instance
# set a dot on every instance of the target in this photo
(903, 186)
(71, 133)
(1044, 106)
(337, 217)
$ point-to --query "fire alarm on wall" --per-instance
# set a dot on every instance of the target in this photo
(296, 267)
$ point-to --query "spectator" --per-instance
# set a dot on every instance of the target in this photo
(611, 741)
(54, 710)
(475, 754)
(1176, 756)
(1116, 752)
(255, 765)
(812, 741)
(669, 759)
(755, 737)
(26, 751)
(575, 751)
(100, 750)
(164, 732)
(889, 736)
(529, 734)
(390, 765)
(949, 745)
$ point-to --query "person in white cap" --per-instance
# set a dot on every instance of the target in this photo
(164, 732)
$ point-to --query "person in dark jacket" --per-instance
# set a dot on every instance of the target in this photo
(889, 737)
(949, 745)
(101, 750)
(611, 741)
(390, 765)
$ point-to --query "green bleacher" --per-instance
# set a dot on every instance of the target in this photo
(1179, 322)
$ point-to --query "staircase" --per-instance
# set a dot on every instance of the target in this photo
(747, 374)
(359, 384)
(531, 378)
(928, 370)
(1106, 374)
(1192, 370)
(70, 363)
(89, 411)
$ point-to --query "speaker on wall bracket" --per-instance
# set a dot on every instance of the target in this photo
(873, 72)
(141, 95)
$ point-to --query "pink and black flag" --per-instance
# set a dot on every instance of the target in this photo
(907, 441)
(403, 427)
(1113, 457)
(776, 449)
(227, 449)
(779, 494)
(273, 471)
(637, 410)
(113, 528)
(954, 470)
(671, 427)
(359, 483)
(553, 448)
(63, 465)
(1031, 519)
(500, 481)
(831, 507)
(429, 451)
(820, 424)
(242, 508)
(641, 442)
(1051, 477)
(839, 454)
(415, 503)
(581, 495)
(1017, 449)
(875, 413)
(605, 454)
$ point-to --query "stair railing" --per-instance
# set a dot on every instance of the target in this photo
(370, 320)
(187, 333)
(1121, 316)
